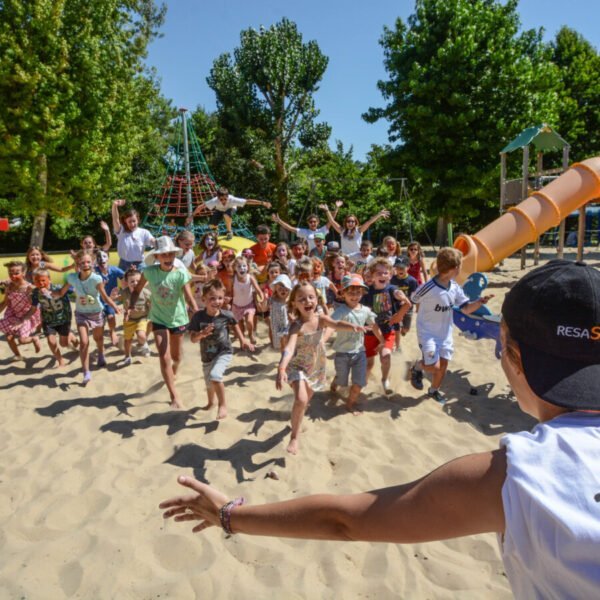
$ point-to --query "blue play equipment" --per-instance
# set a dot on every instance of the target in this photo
(481, 323)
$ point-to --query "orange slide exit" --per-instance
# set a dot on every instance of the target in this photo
(523, 223)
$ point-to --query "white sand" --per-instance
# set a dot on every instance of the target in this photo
(83, 469)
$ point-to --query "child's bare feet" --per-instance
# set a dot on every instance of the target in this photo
(293, 446)
(60, 363)
(36, 343)
(222, 412)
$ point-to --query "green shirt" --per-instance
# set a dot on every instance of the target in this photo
(350, 341)
(168, 302)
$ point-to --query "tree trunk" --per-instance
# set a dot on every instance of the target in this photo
(441, 234)
(39, 223)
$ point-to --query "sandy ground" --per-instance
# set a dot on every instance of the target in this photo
(83, 469)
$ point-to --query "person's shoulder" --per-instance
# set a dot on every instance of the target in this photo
(227, 314)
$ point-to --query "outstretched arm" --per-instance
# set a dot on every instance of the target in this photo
(115, 214)
(462, 497)
(467, 309)
(282, 223)
(107, 236)
(382, 214)
(196, 212)
(331, 222)
(253, 202)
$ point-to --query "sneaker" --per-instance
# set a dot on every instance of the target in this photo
(386, 386)
(145, 350)
(437, 396)
(127, 361)
(87, 377)
(229, 235)
(101, 361)
(416, 378)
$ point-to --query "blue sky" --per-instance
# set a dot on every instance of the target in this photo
(196, 32)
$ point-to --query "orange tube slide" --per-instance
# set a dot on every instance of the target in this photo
(525, 222)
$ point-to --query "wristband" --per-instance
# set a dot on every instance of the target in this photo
(225, 514)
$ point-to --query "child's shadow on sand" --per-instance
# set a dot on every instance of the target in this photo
(239, 455)
(120, 401)
(174, 420)
(489, 414)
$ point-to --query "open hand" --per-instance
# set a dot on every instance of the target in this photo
(104, 225)
(281, 379)
(384, 213)
(203, 504)
(339, 203)
(119, 202)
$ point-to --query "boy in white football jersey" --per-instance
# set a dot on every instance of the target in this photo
(437, 297)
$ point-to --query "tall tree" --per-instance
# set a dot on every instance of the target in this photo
(462, 81)
(267, 89)
(70, 101)
(579, 118)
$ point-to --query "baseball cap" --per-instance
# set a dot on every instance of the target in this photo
(402, 261)
(554, 314)
(333, 246)
(284, 280)
(353, 280)
(319, 236)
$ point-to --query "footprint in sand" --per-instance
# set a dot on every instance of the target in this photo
(70, 576)
(178, 553)
(76, 510)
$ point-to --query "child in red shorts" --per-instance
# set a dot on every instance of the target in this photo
(390, 305)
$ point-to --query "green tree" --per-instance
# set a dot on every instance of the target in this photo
(265, 91)
(462, 82)
(71, 102)
(579, 118)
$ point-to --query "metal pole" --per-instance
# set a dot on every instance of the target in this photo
(188, 179)
(524, 188)
(561, 230)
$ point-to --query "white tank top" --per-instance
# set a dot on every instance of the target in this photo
(350, 245)
(551, 498)
(242, 291)
(208, 258)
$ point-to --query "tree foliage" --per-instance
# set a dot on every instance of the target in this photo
(265, 92)
(579, 112)
(462, 82)
(74, 101)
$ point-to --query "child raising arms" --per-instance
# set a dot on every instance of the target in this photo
(245, 287)
(303, 360)
(210, 327)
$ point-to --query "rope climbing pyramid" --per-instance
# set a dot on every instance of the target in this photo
(187, 185)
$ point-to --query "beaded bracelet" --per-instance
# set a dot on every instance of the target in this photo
(225, 514)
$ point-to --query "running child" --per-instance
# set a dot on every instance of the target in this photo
(322, 283)
(303, 361)
(21, 319)
(56, 315)
(436, 299)
(135, 323)
(390, 305)
(199, 279)
(393, 247)
(168, 314)
(350, 357)
(283, 255)
(210, 327)
(88, 242)
(298, 249)
(36, 258)
(361, 259)
(132, 240)
(245, 289)
(185, 240)
(210, 250)
(320, 249)
(111, 276)
(263, 309)
(89, 315)
(281, 287)
(416, 266)
(403, 281)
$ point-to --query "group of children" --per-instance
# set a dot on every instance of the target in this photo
(304, 292)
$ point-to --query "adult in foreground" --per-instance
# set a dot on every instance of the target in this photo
(540, 492)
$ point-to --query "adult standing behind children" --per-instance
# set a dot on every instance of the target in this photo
(351, 231)
(306, 233)
(223, 206)
(171, 290)
(132, 240)
(538, 492)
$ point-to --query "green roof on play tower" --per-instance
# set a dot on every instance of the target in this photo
(541, 136)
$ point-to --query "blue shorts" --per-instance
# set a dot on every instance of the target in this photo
(351, 365)
(109, 311)
(124, 265)
(215, 369)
